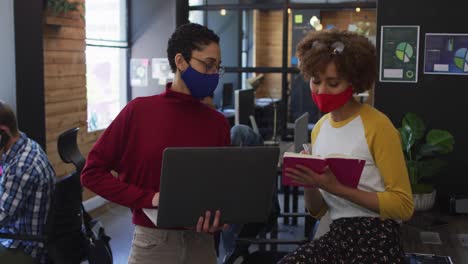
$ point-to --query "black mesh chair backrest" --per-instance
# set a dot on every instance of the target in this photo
(66, 216)
(65, 221)
(68, 149)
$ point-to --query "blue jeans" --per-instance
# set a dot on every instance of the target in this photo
(242, 135)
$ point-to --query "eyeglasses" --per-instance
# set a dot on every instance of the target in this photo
(338, 47)
(212, 67)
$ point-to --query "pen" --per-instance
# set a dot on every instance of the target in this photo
(306, 148)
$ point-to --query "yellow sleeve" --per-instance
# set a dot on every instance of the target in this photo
(313, 137)
(316, 129)
(396, 201)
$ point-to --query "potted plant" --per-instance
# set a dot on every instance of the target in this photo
(63, 6)
(422, 151)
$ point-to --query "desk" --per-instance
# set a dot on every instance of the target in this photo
(450, 246)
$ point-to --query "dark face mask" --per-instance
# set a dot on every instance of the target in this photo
(4, 138)
(200, 85)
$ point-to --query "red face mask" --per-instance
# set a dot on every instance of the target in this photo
(329, 102)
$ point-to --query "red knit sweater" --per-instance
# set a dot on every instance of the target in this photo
(134, 142)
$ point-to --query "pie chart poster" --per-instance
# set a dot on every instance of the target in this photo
(446, 54)
(399, 54)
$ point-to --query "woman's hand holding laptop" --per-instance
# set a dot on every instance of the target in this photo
(155, 201)
(203, 224)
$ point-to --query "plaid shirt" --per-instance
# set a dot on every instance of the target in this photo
(26, 187)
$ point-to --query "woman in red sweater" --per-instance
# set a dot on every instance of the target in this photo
(133, 146)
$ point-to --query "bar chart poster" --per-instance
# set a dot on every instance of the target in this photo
(446, 54)
(399, 47)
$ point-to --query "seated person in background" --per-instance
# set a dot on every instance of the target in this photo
(364, 225)
(26, 186)
(134, 142)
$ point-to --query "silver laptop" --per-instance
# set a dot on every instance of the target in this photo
(238, 181)
(301, 131)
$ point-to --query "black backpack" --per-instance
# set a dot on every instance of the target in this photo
(95, 242)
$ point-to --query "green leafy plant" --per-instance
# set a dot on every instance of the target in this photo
(63, 6)
(422, 150)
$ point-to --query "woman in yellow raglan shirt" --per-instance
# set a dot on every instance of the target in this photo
(365, 226)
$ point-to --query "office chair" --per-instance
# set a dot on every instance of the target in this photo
(68, 149)
(63, 224)
(96, 248)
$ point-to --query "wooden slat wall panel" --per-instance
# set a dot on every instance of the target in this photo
(65, 33)
(65, 82)
(56, 70)
(57, 109)
(64, 44)
(268, 39)
(64, 57)
(268, 28)
(65, 85)
(68, 120)
(65, 95)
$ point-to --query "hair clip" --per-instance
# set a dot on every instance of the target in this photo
(338, 48)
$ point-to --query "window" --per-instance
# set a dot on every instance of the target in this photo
(106, 60)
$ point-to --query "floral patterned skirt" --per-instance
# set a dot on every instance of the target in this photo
(353, 240)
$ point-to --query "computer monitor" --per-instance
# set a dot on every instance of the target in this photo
(244, 102)
(228, 92)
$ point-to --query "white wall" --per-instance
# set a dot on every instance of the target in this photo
(152, 24)
(7, 54)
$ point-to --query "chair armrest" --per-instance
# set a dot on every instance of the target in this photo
(23, 237)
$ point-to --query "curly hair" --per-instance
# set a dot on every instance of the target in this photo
(357, 62)
(187, 38)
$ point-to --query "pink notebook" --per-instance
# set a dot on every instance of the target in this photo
(347, 169)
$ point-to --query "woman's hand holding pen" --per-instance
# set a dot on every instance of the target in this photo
(305, 176)
(306, 149)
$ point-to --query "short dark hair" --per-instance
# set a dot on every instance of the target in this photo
(357, 62)
(187, 38)
(8, 118)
